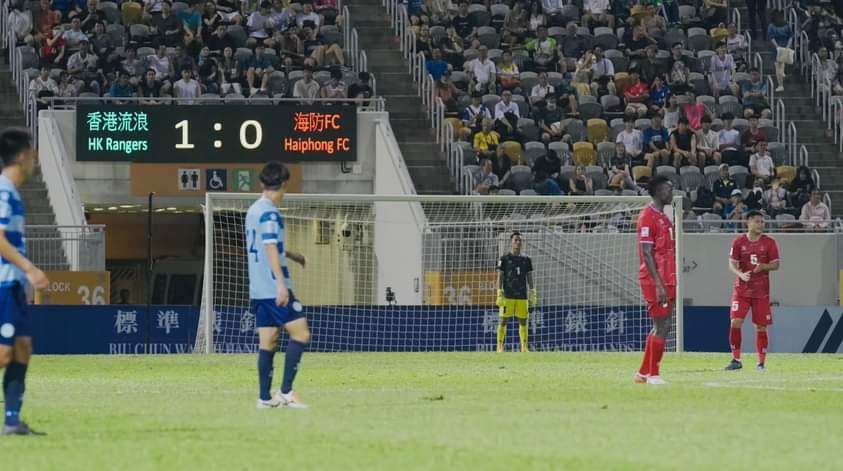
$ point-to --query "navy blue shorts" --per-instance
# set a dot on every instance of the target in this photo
(14, 317)
(269, 314)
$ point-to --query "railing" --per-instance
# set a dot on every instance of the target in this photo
(803, 160)
(790, 142)
(736, 19)
(4, 24)
(58, 178)
(76, 248)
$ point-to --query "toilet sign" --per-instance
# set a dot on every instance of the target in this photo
(188, 179)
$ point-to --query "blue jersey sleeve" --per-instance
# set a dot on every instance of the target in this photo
(270, 225)
(5, 209)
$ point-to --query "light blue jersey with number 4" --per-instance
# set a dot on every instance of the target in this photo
(264, 226)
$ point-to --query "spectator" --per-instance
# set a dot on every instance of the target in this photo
(211, 19)
(602, 71)
(736, 44)
(43, 84)
(74, 36)
(361, 89)
(671, 114)
(53, 49)
(209, 74)
(694, 111)
(486, 140)
(620, 173)
(485, 179)
(508, 74)
(541, 89)
(260, 68)
(735, 209)
(553, 11)
(219, 40)
(121, 88)
(708, 143)
(103, 45)
(549, 163)
(308, 17)
(335, 88)
(714, 12)
(632, 140)
(723, 70)
(580, 183)
(755, 197)
(452, 46)
(169, 29)
(660, 94)
(501, 164)
(83, 65)
(91, 16)
(729, 140)
(683, 144)
(723, 188)
(447, 92)
(473, 115)
(815, 214)
(131, 64)
(648, 67)
(69, 87)
(160, 62)
(755, 95)
(775, 198)
(323, 53)
(506, 105)
(20, 23)
(69, 8)
(183, 60)
(461, 23)
(257, 23)
(802, 187)
(229, 68)
(543, 49)
(435, 65)
(46, 18)
(679, 76)
(517, 22)
(481, 71)
(827, 67)
(656, 144)
(636, 47)
(548, 117)
(306, 87)
(597, 14)
(186, 88)
(636, 95)
(752, 136)
(780, 35)
(149, 88)
(545, 186)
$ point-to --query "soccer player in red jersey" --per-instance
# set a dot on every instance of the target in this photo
(752, 257)
(657, 274)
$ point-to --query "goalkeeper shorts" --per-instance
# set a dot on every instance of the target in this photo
(269, 314)
(514, 307)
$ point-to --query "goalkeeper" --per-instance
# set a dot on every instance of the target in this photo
(515, 272)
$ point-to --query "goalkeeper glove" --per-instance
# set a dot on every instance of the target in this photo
(534, 297)
(499, 299)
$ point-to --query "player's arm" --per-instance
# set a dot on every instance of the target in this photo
(650, 262)
(273, 257)
(499, 283)
(8, 251)
(735, 268)
(296, 257)
(534, 294)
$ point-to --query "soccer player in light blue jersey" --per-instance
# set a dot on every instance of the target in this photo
(271, 289)
(16, 271)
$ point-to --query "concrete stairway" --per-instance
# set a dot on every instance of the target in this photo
(427, 166)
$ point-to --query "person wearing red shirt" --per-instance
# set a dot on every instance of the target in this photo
(694, 111)
(752, 257)
(637, 95)
(657, 275)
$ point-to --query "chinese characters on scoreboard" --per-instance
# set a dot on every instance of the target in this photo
(314, 132)
(117, 122)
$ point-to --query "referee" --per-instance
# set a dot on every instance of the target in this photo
(515, 272)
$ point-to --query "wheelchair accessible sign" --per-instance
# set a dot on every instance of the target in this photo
(216, 179)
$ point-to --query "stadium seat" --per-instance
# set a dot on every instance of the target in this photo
(642, 124)
(566, 173)
(563, 151)
(597, 130)
(520, 177)
(605, 152)
(575, 128)
(691, 178)
(603, 192)
(712, 222)
(740, 174)
(532, 154)
(588, 111)
(506, 192)
(489, 101)
(584, 154)
(528, 129)
(641, 171)
(598, 176)
(528, 191)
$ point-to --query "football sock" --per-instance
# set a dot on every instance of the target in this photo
(13, 389)
(291, 364)
(265, 358)
(656, 355)
(735, 342)
(645, 363)
(761, 342)
(522, 334)
(501, 334)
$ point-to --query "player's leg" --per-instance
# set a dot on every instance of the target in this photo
(522, 314)
(739, 309)
(649, 293)
(506, 311)
(662, 323)
(15, 352)
(299, 337)
(762, 317)
(268, 345)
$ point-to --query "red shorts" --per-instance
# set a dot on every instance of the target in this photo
(761, 312)
(654, 309)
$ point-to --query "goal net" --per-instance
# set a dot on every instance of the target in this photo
(417, 273)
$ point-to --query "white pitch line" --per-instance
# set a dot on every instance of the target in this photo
(764, 383)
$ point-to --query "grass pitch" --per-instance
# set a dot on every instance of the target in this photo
(439, 411)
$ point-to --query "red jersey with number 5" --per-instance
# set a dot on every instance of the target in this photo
(654, 227)
(750, 254)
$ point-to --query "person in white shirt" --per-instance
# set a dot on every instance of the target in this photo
(160, 63)
(20, 22)
(541, 89)
(82, 61)
(74, 36)
(631, 138)
(761, 164)
(187, 87)
(306, 87)
(729, 142)
(597, 14)
(708, 143)
(506, 105)
(257, 21)
(307, 15)
(43, 84)
(482, 70)
(599, 66)
(815, 214)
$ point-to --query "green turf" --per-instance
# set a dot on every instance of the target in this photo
(443, 411)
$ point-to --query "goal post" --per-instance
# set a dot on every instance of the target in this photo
(417, 273)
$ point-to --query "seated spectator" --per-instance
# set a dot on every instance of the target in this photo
(660, 94)
(473, 115)
(636, 95)
(131, 64)
(306, 87)
(693, 111)
(546, 186)
(122, 88)
(187, 87)
(815, 214)
(335, 88)
(775, 198)
(20, 23)
(581, 83)
(755, 197)
(566, 98)
(553, 11)
(722, 77)
(501, 164)
(68, 8)
(580, 184)
(705, 200)
(723, 188)
(53, 49)
(230, 73)
(219, 40)
(671, 114)
(541, 89)
(543, 49)
(257, 23)
(481, 72)
(802, 187)
(324, 52)
(209, 74)
(708, 143)
(729, 140)
(69, 87)
(632, 140)
(43, 84)
(549, 163)
(486, 140)
(168, 28)
(485, 179)
(735, 209)
(91, 16)
(435, 66)
(752, 136)
(736, 45)
(452, 47)
(307, 15)
(104, 46)
(46, 17)
(260, 68)
(182, 59)
(755, 96)
(602, 71)
(362, 89)
(683, 144)
(648, 67)
(508, 74)
(461, 23)
(149, 88)
(636, 47)
(506, 116)
(517, 22)
(620, 170)
(548, 117)
(679, 77)
(447, 92)
(84, 66)
(714, 12)
(74, 36)
(160, 62)
(827, 67)
(656, 144)
(596, 13)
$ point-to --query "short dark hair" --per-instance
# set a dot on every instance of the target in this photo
(754, 212)
(13, 141)
(754, 69)
(274, 174)
(514, 233)
(727, 116)
(705, 119)
(683, 120)
(656, 182)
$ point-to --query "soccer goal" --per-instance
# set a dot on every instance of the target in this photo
(417, 273)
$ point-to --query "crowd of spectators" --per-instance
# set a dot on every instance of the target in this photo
(595, 97)
(156, 49)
